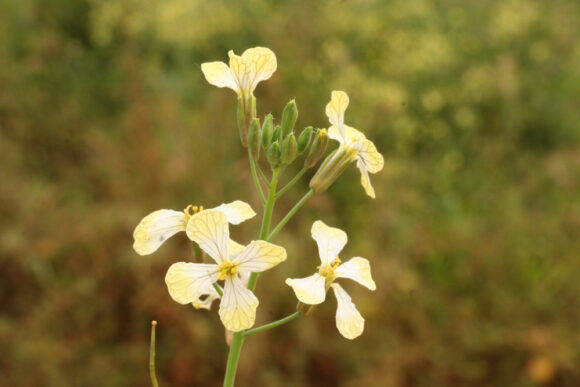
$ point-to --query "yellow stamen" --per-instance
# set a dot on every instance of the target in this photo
(191, 210)
(227, 269)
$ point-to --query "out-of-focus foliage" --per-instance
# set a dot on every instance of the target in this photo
(473, 238)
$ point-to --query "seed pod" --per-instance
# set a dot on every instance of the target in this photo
(317, 148)
(288, 149)
(304, 140)
(254, 139)
(289, 117)
(267, 130)
(273, 154)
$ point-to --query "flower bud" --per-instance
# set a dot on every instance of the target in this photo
(332, 167)
(267, 131)
(254, 139)
(288, 149)
(277, 135)
(289, 117)
(317, 148)
(273, 154)
(304, 140)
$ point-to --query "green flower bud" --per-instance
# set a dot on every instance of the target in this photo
(254, 139)
(317, 148)
(304, 139)
(273, 154)
(288, 149)
(332, 167)
(289, 117)
(267, 131)
(277, 135)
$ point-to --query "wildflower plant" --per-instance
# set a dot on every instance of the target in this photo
(230, 272)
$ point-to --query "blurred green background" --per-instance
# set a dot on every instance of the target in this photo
(473, 239)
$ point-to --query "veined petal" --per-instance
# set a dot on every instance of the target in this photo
(370, 157)
(211, 296)
(309, 290)
(365, 179)
(156, 228)
(335, 110)
(236, 212)
(238, 305)
(330, 241)
(234, 247)
(357, 269)
(186, 282)
(260, 255)
(259, 64)
(209, 229)
(220, 75)
(349, 321)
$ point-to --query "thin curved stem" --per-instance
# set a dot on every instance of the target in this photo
(152, 374)
(291, 183)
(290, 214)
(263, 175)
(271, 325)
(256, 180)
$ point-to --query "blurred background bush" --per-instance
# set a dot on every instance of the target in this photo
(474, 236)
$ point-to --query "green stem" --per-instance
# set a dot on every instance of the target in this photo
(291, 183)
(255, 177)
(290, 214)
(152, 355)
(271, 325)
(233, 357)
(263, 176)
(218, 289)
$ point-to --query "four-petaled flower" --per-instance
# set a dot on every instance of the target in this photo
(312, 290)
(368, 159)
(186, 282)
(244, 72)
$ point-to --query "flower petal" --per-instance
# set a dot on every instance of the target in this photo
(220, 75)
(357, 269)
(330, 241)
(309, 290)
(335, 110)
(234, 247)
(209, 229)
(186, 282)
(156, 228)
(260, 255)
(236, 212)
(369, 156)
(238, 305)
(207, 302)
(255, 65)
(365, 179)
(349, 321)
(351, 135)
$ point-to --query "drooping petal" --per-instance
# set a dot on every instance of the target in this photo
(186, 281)
(370, 157)
(330, 241)
(237, 211)
(220, 75)
(255, 65)
(238, 305)
(209, 229)
(335, 110)
(259, 256)
(365, 179)
(349, 321)
(207, 301)
(357, 269)
(156, 228)
(309, 290)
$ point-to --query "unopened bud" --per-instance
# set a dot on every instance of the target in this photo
(289, 117)
(267, 131)
(254, 139)
(277, 135)
(273, 154)
(317, 148)
(304, 140)
(332, 167)
(288, 149)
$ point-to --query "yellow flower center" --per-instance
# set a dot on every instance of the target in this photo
(191, 210)
(227, 269)
(328, 270)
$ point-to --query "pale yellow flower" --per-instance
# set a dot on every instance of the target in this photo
(312, 290)
(368, 159)
(186, 282)
(244, 72)
(160, 225)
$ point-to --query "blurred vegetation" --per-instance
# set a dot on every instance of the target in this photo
(473, 238)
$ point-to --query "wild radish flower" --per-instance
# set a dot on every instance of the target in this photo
(354, 146)
(160, 225)
(186, 282)
(312, 290)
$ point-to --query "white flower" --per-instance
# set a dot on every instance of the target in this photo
(312, 290)
(244, 72)
(368, 159)
(160, 225)
(186, 282)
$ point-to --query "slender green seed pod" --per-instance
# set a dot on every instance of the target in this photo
(288, 149)
(273, 154)
(254, 139)
(304, 140)
(289, 117)
(267, 131)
